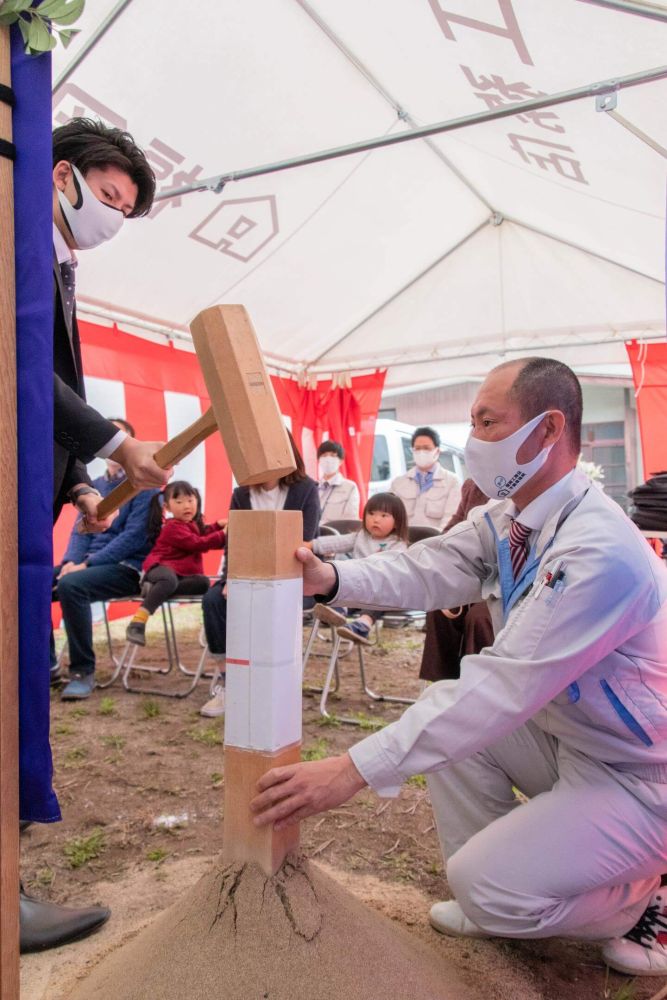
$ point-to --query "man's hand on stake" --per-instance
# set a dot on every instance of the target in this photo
(137, 459)
(318, 577)
(290, 794)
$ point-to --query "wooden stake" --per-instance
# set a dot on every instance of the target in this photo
(263, 707)
(9, 743)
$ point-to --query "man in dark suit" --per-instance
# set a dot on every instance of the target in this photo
(100, 177)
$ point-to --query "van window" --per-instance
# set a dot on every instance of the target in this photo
(407, 452)
(380, 469)
(447, 461)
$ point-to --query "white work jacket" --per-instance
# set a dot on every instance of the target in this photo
(339, 499)
(585, 660)
(433, 507)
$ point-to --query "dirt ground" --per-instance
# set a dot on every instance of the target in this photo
(140, 782)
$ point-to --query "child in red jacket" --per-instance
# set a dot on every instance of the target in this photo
(174, 566)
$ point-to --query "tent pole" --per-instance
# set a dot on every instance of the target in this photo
(633, 7)
(91, 42)
(401, 112)
(9, 744)
(217, 183)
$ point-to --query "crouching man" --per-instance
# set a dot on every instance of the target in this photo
(569, 704)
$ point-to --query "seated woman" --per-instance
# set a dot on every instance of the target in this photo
(295, 491)
(384, 529)
(452, 634)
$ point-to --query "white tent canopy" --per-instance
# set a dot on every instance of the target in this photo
(543, 233)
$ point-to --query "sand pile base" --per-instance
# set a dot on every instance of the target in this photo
(238, 935)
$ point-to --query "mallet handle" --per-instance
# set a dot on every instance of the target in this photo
(169, 454)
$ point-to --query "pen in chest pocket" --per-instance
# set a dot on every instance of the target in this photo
(553, 579)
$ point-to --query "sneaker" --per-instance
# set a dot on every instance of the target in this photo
(356, 631)
(448, 918)
(328, 615)
(215, 707)
(643, 950)
(136, 633)
(80, 686)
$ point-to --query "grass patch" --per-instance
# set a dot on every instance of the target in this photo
(79, 713)
(331, 721)
(217, 778)
(417, 780)
(45, 877)
(317, 750)
(62, 729)
(107, 706)
(116, 742)
(157, 855)
(150, 708)
(75, 756)
(81, 850)
(366, 722)
(210, 736)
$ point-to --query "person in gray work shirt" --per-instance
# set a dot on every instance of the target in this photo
(569, 703)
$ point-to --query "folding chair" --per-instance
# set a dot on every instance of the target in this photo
(333, 672)
(344, 525)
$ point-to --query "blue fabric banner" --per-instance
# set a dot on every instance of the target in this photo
(33, 222)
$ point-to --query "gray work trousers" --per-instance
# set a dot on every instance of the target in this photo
(581, 859)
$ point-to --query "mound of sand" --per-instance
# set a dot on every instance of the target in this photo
(238, 935)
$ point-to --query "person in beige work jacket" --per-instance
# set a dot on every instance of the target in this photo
(430, 493)
(339, 497)
(569, 703)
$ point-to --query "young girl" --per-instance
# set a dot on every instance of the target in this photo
(174, 566)
(385, 529)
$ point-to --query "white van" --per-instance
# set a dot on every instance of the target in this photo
(392, 455)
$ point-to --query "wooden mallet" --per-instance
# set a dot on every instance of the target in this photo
(243, 406)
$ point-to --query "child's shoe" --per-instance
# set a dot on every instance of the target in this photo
(136, 633)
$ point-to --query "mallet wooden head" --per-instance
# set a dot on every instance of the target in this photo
(242, 397)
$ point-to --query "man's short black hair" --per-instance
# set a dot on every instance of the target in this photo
(125, 424)
(87, 143)
(427, 432)
(331, 448)
(546, 384)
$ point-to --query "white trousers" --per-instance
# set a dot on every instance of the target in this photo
(580, 859)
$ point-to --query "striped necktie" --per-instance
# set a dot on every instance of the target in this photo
(518, 552)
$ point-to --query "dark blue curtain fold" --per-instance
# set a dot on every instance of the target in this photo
(33, 221)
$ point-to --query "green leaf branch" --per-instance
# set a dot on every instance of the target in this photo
(43, 25)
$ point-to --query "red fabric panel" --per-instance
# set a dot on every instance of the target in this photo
(649, 374)
(347, 415)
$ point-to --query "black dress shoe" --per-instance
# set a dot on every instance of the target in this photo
(47, 925)
(55, 675)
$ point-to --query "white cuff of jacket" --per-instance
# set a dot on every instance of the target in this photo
(371, 761)
(110, 447)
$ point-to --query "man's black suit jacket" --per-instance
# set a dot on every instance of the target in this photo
(79, 431)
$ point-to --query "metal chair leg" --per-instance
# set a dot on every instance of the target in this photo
(174, 660)
(372, 694)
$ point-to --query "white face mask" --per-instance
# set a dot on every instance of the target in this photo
(89, 220)
(493, 465)
(425, 459)
(329, 465)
